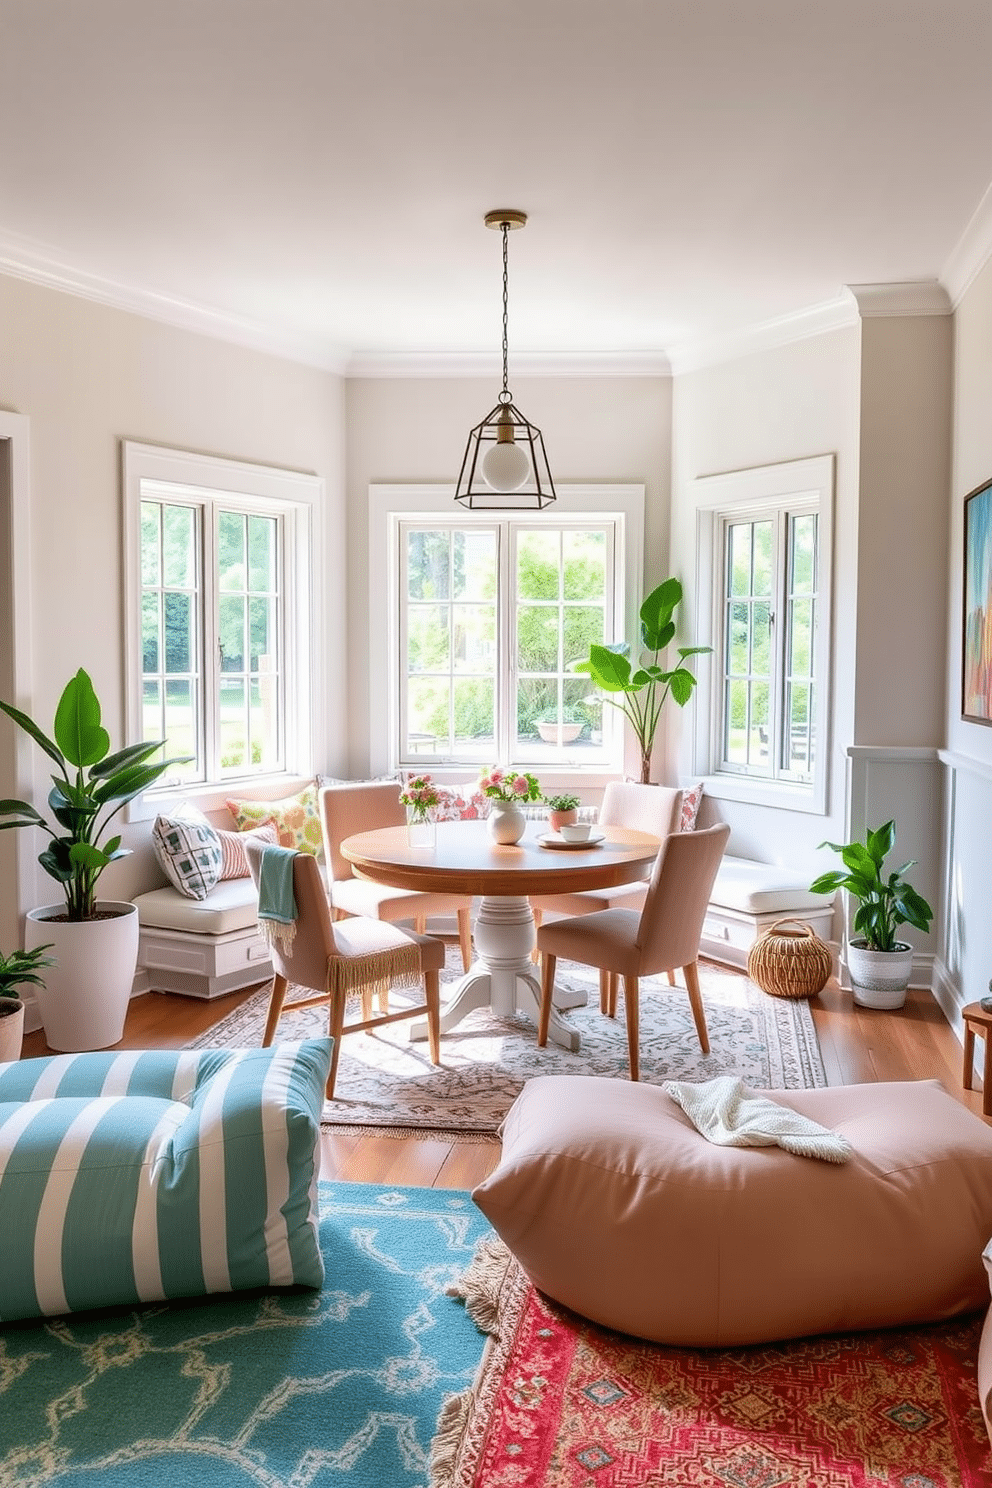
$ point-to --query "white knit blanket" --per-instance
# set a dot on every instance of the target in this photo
(724, 1111)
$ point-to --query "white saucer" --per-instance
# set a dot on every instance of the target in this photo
(553, 840)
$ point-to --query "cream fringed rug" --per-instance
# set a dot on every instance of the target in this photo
(385, 1081)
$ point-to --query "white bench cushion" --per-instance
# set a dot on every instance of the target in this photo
(763, 888)
(230, 905)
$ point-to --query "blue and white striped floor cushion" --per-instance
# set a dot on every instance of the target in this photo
(133, 1177)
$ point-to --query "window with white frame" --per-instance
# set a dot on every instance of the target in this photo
(491, 613)
(220, 613)
(766, 541)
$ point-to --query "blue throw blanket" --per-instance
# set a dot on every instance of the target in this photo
(276, 903)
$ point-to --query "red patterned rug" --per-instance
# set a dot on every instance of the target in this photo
(560, 1403)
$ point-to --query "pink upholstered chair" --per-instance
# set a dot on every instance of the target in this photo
(665, 934)
(367, 806)
(646, 808)
(331, 959)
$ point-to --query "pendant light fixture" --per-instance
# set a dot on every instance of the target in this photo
(505, 467)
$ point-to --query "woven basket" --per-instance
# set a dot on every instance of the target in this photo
(790, 962)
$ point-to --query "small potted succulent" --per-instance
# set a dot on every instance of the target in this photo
(563, 810)
(879, 965)
(18, 969)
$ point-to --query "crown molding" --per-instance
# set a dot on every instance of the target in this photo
(523, 364)
(20, 258)
(913, 297)
(798, 325)
(971, 252)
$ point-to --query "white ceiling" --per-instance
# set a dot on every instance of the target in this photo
(311, 175)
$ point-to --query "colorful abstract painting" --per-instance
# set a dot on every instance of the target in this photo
(976, 659)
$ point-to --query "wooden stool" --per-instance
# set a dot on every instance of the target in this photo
(976, 1020)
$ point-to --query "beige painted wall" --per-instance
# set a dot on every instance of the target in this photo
(966, 932)
(612, 429)
(785, 404)
(88, 376)
(901, 655)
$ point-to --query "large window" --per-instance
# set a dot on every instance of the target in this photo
(490, 616)
(220, 614)
(765, 544)
(769, 621)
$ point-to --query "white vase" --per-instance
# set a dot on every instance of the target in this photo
(879, 978)
(84, 997)
(507, 823)
(11, 1029)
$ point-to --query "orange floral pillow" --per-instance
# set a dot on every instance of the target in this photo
(295, 819)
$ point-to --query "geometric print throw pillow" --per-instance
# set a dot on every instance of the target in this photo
(189, 852)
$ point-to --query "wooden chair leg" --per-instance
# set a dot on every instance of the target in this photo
(335, 1021)
(535, 954)
(465, 936)
(671, 977)
(631, 1009)
(604, 992)
(420, 924)
(548, 964)
(432, 987)
(614, 989)
(367, 990)
(382, 989)
(691, 974)
(276, 1001)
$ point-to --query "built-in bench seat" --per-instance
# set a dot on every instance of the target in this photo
(748, 897)
(202, 947)
(206, 947)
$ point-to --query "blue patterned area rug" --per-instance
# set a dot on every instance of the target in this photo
(268, 1389)
(386, 1082)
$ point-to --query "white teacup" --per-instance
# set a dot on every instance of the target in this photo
(577, 832)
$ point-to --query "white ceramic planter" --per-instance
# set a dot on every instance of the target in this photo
(879, 978)
(11, 1030)
(507, 823)
(559, 733)
(84, 999)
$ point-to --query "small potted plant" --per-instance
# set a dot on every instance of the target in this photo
(879, 965)
(563, 810)
(18, 969)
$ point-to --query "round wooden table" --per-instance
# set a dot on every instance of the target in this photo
(465, 860)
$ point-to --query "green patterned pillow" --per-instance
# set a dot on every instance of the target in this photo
(295, 817)
(189, 852)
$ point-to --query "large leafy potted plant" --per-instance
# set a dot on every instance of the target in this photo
(640, 691)
(879, 964)
(18, 969)
(83, 998)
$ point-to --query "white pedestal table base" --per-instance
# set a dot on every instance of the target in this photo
(504, 977)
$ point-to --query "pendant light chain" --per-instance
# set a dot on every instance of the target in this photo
(506, 284)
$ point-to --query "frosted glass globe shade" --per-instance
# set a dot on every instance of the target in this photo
(505, 467)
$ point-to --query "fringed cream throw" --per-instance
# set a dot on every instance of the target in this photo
(371, 952)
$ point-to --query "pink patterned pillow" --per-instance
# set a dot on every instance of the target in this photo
(234, 863)
(691, 798)
(454, 806)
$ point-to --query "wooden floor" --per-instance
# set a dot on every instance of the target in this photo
(858, 1046)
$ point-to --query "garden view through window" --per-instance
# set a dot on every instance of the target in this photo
(493, 619)
(211, 626)
(769, 628)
